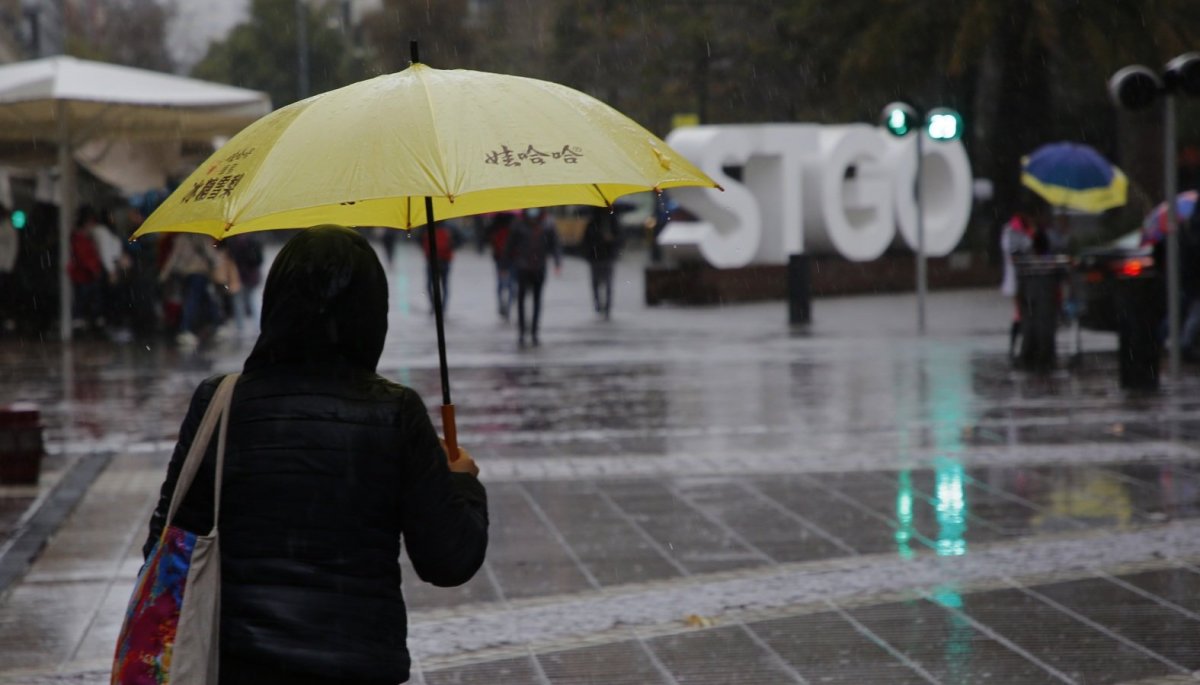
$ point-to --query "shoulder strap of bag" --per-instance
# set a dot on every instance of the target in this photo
(218, 409)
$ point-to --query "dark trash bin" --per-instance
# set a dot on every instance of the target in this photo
(1139, 309)
(1039, 294)
(21, 445)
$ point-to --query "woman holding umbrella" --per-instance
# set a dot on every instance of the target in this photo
(327, 465)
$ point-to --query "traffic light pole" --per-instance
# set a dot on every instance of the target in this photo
(1171, 181)
(940, 123)
(922, 276)
(66, 218)
(1136, 87)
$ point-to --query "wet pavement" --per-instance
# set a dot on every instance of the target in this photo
(703, 496)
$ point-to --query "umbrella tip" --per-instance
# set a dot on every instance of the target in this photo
(414, 52)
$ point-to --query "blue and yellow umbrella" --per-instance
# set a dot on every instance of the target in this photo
(1074, 176)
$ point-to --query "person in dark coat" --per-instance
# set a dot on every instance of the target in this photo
(328, 465)
(532, 241)
(1189, 283)
(445, 257)
(600, 246)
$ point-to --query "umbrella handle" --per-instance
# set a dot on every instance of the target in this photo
(451, 431)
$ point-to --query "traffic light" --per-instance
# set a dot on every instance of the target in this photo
(19, 219)
(1134, 88)
(944, 123)
(1183, 73)
(899, 118)
(1137, 87)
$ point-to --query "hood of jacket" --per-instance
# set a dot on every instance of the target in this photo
(325, 300)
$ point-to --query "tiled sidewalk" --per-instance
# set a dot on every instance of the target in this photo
(704, 496)
(794, 578)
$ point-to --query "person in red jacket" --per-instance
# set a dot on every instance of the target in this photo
(86, 272)
(497, 233)
(445, 254)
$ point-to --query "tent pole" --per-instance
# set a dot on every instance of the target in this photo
(66, 210)
(435, 284)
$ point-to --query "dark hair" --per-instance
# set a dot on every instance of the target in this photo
(85, 214)
(326, 297)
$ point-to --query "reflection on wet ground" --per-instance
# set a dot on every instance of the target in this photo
(698, 496)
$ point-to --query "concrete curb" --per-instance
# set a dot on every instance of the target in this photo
(46, 514)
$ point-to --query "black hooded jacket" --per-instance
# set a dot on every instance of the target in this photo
(327, 466)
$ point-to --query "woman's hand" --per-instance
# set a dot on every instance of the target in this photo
(465, 462)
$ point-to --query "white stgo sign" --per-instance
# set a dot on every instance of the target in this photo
(808, 188)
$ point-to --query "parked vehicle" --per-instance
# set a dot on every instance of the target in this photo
(1119, 288)
(1099, 270)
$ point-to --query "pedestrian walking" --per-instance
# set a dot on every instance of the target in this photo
(445, 255)
(86, 272)
(192, 260)
(600, 246)
(118, 283)
(1189, 285)
(389, 244)
(497, 236)
(327, 466)
(228, 289)
(247, 253)
(146, 304)
(1021, 235)
(533, 240)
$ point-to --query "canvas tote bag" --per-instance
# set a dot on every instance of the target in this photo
(172, 626)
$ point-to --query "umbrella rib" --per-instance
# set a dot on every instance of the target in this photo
(599, 192)
(433, 127)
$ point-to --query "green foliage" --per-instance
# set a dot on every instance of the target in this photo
(262, 53)
(129, 32)
(446, 38)
(1020, 72)
(1023, 72)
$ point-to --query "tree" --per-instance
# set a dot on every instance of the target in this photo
(444, 30)
(1024, 72)
(261, 53)
(655, 58)
(129, 32)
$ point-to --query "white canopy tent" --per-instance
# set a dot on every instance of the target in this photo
(70, 103)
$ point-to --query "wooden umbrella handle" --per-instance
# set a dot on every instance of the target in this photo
(451, 431)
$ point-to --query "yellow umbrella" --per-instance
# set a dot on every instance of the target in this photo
(401, 149)
(370, 153)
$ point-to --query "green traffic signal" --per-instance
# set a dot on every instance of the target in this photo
(19, 219)
(944, 123)
(899, 119)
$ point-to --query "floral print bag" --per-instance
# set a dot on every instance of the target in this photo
(172, 626)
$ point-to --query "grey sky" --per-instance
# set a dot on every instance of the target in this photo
(199, 22)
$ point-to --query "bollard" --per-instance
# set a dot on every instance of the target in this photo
(21, 444)
(1139, 349)
(799, 288)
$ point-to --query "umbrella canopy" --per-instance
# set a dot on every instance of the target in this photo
(369, 154)
(67, 103)
(401, 149)
(1074, 176)
(1154, 226)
